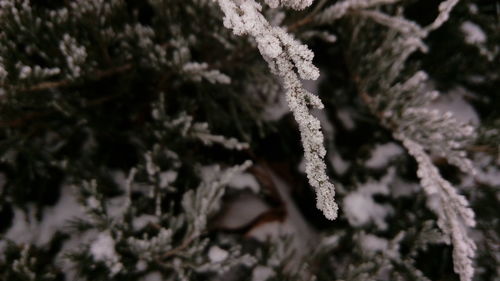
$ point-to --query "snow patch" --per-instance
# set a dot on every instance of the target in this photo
(141, 221)
(346, 119)
(401, 188)
(216, 254)
(103, 249)
(338, 163)
(262, 273)
(360, 208)
(473, 33)
(455, 103)
(241, 210)
(244, 180)
(372, 243)
(167, 177)
(26, 228)
(382, 154)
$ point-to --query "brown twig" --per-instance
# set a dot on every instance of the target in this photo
(64, 83)
(304, 21)
(181, 247)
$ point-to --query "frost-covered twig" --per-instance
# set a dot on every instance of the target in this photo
(294, 4)
(196, 71)
(289, 59)
(403, 107)
(445, 9)
(338, 10)
(200, 204)
(200, 131)
(453, 211)
(24, 265)
(100, 74)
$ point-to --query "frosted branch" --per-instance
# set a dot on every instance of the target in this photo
(294, 4)
(284, 54)
(453, 211)
(196, 71)
(444, 14)
(200, 131)
(338, 10)
(200, 204)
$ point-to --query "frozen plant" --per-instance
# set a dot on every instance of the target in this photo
(289, 59)
(149, 109)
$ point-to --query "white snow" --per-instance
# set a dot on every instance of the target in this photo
(216, 254)
(454, 102)
(382, 154)
(141, 221)
(24, 226)
(473, 33)
(244, 180)
(338, 163)
(141, 265)
(167, 177)
(360, 208)
(103, 249)
(241, 210)
(27, 229)
(330, 241)
(117, 206)
(372, 243)
(262, 273)
(473, 8)
(92, 202)
(346, 119)
(490, 176)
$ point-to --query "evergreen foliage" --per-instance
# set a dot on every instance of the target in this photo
(187, 140)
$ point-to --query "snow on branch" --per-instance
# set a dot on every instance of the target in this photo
(338, 10)
(196, 71)
(444, 14)
(25, 264)
(200, 131)
(441, 133)
(189, 128)
(289, 59)
(203, 202)
(452, 209)
(294, 4)
(404, 105)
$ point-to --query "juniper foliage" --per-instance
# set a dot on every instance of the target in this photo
(187, 140)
